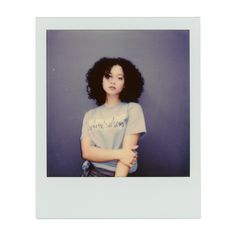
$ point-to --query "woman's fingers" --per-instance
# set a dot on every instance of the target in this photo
(126, 164)
(134, 160)
(129, 163)
(134, 150)
(134, 147)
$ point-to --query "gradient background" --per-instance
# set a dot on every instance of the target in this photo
(162, 56)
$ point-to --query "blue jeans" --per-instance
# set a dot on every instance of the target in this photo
(92, 171)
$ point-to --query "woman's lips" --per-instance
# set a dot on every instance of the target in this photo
(112, 87)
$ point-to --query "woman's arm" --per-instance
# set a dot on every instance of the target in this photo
(96, 154)
(129, 141)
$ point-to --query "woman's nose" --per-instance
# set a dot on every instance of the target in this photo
(112, 80)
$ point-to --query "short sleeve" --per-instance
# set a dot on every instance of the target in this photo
(136, 121)
(84, 129)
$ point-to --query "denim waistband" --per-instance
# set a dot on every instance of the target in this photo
(92, 171)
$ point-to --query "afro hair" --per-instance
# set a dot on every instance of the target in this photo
(134, 81)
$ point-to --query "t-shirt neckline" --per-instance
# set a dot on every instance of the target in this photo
(112, 106)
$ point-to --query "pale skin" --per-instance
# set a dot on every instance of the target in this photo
(126, 156)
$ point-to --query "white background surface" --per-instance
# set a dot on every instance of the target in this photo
(17, 130)
(151, 197)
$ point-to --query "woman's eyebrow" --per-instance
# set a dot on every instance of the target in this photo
(117, 74)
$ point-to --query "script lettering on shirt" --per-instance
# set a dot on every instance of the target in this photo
(117, 122)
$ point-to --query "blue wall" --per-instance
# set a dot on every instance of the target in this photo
(163, 59)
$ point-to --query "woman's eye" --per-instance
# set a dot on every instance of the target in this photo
(120, 78)
(107, 76)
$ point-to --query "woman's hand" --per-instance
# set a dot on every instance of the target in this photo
(128, 156)
(129, 145)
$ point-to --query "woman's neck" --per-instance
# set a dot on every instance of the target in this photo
(111, 101)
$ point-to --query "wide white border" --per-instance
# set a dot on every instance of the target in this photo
(148, 197)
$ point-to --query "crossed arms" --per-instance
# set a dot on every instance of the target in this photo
(126, 156)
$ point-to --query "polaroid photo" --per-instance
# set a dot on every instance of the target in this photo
(119, 98)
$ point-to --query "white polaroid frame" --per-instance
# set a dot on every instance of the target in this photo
(143, 197)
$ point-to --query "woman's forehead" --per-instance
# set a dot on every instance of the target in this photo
(116, 69)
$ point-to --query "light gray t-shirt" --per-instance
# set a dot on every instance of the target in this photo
(107, 127)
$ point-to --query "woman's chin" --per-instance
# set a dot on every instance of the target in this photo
(112, 93)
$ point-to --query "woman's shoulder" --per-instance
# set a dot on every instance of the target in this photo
(134, 109)
(90, 111)
(134, 105)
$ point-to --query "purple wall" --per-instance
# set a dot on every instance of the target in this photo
(162, 57)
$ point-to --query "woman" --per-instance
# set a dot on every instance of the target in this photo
(111, 132)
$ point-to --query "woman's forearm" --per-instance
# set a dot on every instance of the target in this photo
(101, 155)
(129, 141)
(121, 170)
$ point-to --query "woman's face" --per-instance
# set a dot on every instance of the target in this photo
(113, 82)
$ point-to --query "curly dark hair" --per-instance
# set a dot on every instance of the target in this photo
(133, 80)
